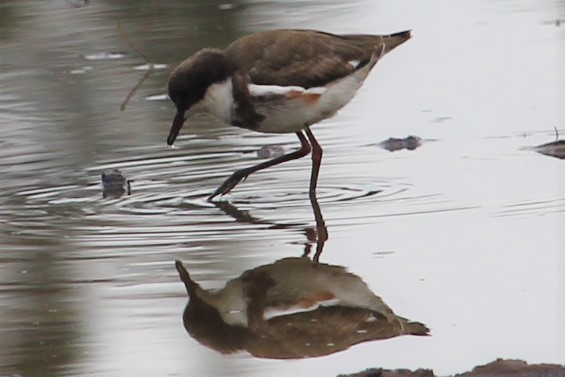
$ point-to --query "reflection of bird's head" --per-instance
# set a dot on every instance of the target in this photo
(204, 322)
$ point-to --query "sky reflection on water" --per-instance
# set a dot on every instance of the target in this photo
(462, 234)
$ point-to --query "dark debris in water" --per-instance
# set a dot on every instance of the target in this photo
(557, 22)
(114, 184)
(498, 368)
(149, 65)
(395, 144)
(441, 119)
(553, 149)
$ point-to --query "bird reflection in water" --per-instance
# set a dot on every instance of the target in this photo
(293, 308)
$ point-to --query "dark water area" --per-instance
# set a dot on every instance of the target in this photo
(463, 234)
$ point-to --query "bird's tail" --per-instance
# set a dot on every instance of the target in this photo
(393, 40)
(416, 328)
(385, 44)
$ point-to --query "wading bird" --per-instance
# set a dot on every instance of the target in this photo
(278, 81)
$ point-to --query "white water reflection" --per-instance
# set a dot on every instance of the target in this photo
(463, 233)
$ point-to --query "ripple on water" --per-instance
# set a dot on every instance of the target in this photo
(532, 208)
(168, 204)
(271, 196)
(187, 180)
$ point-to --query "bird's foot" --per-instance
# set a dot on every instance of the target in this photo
(228, 184)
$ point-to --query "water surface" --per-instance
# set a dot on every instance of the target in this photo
(463, 234)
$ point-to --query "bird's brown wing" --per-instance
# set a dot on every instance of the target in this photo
(305, 58)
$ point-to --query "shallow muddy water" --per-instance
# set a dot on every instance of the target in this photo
(463, 234)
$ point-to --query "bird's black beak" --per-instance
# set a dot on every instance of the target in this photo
(175, 128)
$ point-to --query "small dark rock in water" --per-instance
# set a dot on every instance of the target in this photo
(498, 368)
(515, 368)
(270, 151)
(394, 144)
(553, 149)
(114, 184)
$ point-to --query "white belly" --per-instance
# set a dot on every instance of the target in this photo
(286, 109)
(297, 108)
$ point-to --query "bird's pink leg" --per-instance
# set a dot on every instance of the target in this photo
(241, 174)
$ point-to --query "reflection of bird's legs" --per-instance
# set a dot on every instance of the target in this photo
(321, 229)
(319, 234)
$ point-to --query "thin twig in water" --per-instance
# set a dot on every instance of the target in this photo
(556, 133)
(150, 69)
(134, 89)
(134, 47)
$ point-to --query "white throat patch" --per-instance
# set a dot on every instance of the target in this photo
(218, 100)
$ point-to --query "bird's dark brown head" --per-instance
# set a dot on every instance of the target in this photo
(191, 79)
